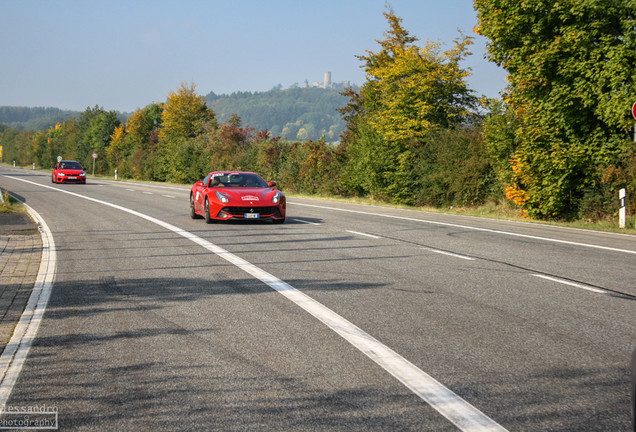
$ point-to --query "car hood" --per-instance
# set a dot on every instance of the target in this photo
(70, 171)
(248, 195)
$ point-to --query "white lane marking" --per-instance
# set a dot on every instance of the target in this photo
(449, 253)
(474, 228)
(131, 190)
(364, 234)
(305, 222)
(16, 352)
(457, 410)
(148, 193)
(574, 284)
(167, 196)
(146, 185)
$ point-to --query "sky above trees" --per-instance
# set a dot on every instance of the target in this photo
(123, 55)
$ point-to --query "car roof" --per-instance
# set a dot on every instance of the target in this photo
(232, 172)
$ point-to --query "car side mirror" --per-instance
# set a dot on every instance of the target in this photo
(272, 184)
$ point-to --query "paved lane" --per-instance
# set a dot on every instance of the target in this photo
(147, 330)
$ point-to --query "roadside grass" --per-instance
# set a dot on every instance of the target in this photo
(8, 204)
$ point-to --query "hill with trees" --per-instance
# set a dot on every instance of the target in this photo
(293, 114)
(33, 119)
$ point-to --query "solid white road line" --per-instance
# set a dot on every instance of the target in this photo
(547, 239)
(574, 284)
(364, 234)
(458, 411)
(16, 351)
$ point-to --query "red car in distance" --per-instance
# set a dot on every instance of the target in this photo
(68, 171)
(236, 195)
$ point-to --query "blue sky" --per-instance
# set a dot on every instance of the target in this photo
(124, 55)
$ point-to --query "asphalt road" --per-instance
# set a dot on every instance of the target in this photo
(149, 328)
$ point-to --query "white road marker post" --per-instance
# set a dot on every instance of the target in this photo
(621, 208)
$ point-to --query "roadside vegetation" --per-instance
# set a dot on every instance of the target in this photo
(556, 147)
(8, 204)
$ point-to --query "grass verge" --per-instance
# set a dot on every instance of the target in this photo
(8, 204)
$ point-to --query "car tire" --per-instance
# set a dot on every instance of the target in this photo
(193, 214)
(52, 179)
(208, 219)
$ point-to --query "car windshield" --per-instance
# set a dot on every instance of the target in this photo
(70, 165)
(237, 180)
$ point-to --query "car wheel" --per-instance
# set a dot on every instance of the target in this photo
(193, 214)
(52, 179)
(278, 221)
(208, 219)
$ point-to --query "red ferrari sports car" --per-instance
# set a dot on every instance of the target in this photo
(226, 195)
(68, 171)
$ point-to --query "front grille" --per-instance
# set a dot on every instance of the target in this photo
(240, 211)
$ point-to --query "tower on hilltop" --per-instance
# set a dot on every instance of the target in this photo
(327, 83)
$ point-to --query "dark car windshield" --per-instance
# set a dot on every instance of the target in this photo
(237, 180)
(70, 165)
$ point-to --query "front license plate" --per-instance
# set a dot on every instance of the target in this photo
(72, 178)
(252, 215)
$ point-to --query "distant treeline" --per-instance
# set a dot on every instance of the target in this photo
(294, 114)
(33, 119)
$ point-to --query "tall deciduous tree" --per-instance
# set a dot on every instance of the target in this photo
(185, 113)
(410, 92)
(94, 128)
(571, 85)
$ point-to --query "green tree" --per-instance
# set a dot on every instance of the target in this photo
(571, 85)
(410, 92)
(94, 129)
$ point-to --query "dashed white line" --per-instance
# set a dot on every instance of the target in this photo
(449, 254)
(364, 234)
(305, 222)
(570, 283)
(513, 234)
(457, 410)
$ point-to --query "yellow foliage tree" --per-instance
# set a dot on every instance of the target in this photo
(185, 113)
(412, 90)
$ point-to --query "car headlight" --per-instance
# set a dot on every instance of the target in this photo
(61, 174)
(83, 175)
(221, 197)
(276, 197)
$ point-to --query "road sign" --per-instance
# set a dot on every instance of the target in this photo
(59, 158)
(94, 155)
(0, 151)
(634, 110)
